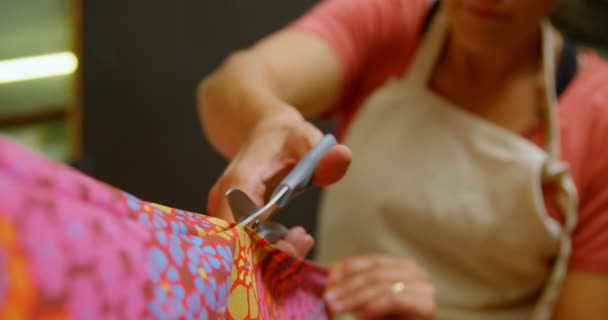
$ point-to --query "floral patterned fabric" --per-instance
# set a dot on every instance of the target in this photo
(72, 247)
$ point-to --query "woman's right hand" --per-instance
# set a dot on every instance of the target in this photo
(252, 110)
(273, 147)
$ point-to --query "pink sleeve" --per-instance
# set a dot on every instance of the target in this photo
(362, 32)
(590, 238)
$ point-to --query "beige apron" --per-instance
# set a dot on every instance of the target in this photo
(459, 195)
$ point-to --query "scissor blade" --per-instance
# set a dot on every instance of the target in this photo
(267, 210)
(272, 231)
(241, 205)
(247, 213)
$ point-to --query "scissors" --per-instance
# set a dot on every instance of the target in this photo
(296, 182)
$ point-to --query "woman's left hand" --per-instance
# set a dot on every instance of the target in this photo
(380, 286)
(296, 242)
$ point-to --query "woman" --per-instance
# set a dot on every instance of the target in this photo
(474, 127)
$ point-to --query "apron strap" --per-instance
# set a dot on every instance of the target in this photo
(552, 141)
(556, 172)
(419, 74)
(567, 200)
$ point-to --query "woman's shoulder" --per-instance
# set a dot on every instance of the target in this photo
(362, 25)
(583, 113)
(372, 40)
(586, 98)
(591, 81)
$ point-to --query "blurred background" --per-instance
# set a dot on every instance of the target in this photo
(108, 86)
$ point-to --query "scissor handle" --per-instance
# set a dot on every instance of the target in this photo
(300, 177)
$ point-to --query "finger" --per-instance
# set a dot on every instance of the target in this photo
(417, 300)
(330, 169)
(300, 239)
(237, 175)
(286, 247)
(304, 246)
(217, 205)
(353, 274)
(362, 316)
(352, 266)
(274, 177)
(333, 165)
(356, 291)
(359, 264)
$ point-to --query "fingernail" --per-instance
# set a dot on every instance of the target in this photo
(333, 276)
(331, 295)
(335, 273)
(336, 307)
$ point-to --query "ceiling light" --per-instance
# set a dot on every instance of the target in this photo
(36, 67)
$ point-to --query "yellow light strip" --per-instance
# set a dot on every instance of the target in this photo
(36, 67)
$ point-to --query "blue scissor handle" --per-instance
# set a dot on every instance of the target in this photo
(300, 177)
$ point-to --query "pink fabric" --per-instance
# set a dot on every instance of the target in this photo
(72, 247)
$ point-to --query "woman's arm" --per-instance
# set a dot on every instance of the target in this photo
(253, 108)
(584, 296)
(303, 69)
(286, 76)
(253, 111)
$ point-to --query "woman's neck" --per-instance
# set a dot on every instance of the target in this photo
(493, 65)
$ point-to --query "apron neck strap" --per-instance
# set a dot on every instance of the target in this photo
(429, 51)
(552, 134)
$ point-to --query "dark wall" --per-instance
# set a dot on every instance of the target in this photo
(142, 61)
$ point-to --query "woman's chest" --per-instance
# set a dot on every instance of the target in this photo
(515, 104)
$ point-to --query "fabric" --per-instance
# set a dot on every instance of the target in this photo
(375, 41)
(445, 198)
(72, 247)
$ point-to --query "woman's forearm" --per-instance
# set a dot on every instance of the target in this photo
(237, 97)
(283, 77)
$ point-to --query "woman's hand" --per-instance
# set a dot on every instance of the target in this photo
(297, 242)
(272, 149)
(380, 287)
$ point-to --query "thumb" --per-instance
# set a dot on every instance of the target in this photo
(333, 165)
(217, 202)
